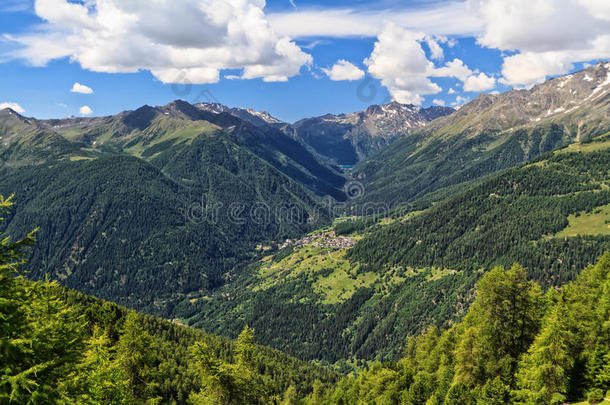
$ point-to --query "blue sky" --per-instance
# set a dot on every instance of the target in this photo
(388, 46)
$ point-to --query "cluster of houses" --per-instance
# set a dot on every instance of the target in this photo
(327, 240)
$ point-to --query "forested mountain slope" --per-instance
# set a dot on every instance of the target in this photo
(409, 272)
(148, 131)
(516, 345)
(148, 206)
(516, 216)
(61, 346)
(491, 133)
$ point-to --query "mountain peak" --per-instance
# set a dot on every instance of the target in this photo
(215, 108)
(577, 102)
(8, 114)
(254, 117)
(349, 138)
(9, 111)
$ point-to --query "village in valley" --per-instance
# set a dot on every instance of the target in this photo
(323, 240)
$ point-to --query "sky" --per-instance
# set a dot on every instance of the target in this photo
(292, 58)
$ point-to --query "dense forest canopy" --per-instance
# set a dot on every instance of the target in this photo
(59, 346)
(516, 344)
(483, 279)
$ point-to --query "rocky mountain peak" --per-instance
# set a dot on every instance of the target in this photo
(571, 100)
(215, 108)
(257, 118)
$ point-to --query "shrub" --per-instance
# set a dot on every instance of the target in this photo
(595, 396)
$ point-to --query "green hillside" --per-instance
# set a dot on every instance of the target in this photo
(60, 346)
(512, 217)
(516, 344)
(416, 270)
(146, 208)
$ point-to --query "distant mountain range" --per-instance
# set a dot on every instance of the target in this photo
(258, 118)
(491, 133)
(344, 139)
(172, 209)
(153, 204)
(350, 138)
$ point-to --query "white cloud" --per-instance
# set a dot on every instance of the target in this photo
(438, 102)
(460, 100)
(455, 68)
(344, 70)
(177, 40)
(436, 52)
(537, 25)
(86, 110)
(399, 61)
(451, 91)
(529, 68)
(480, 82)
(452, 18)
(13, 106)
(549, 35)
(81, 88)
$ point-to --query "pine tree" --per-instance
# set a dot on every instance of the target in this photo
(544, 371)
(291, 396)
(226, 383)
(16, 378)
(98, 378)
(136, 357)
(499, 327)
(17, 371)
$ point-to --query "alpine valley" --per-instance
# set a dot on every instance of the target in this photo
(397, 255)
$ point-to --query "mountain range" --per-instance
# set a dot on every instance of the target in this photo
(344, 139)
(220, 217)
(491, 133)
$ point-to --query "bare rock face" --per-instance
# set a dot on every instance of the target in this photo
(343, 139)
(257, 118)
(578, 100)
(347, 139)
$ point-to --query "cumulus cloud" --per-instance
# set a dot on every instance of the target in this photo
(549, 35)
(437, 101)
(529, 68)
(436, 52)
(81, 88)
(13, 106)
(344, 70)
(459, 101)
(480, 82)
(177, 40)
(542, 37)
(455, 68)
(86, 110)
(400, 62)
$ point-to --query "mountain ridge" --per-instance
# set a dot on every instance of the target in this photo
(491, 133)
(349, 138)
